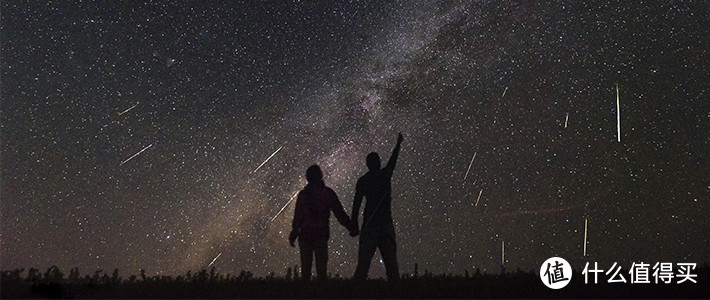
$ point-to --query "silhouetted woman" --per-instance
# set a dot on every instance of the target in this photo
(311, 222)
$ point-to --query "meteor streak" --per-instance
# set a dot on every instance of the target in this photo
(469, 166)
(506, 89)
(618, 116)
(215, 259)
(127, 110)
(585, 237)
(502, 256)
(272, 155)
(479, 197)
(282, 209)
(566, 118)
(134, 155)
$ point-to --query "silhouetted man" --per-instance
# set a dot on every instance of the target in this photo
(377, 227)
(311, 222)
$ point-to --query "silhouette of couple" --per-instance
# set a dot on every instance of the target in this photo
(316, 201)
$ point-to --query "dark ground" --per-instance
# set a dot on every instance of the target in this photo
(204, 284)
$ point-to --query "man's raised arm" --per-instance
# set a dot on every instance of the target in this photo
(395, 153)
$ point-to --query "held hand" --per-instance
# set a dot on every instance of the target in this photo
(353, 228)
(399, 138)
(292, 238)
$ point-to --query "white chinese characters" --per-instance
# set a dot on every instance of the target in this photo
(640, 273)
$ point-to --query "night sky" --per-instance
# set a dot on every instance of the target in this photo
(205, 92)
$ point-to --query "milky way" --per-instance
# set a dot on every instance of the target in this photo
(145, 135)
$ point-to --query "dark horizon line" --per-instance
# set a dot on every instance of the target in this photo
(272, 274)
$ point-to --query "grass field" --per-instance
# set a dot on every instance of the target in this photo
(205, 284)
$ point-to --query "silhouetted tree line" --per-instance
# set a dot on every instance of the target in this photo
(53, 283)
(54, 275)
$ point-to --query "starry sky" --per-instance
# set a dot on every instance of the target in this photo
(205, 92)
